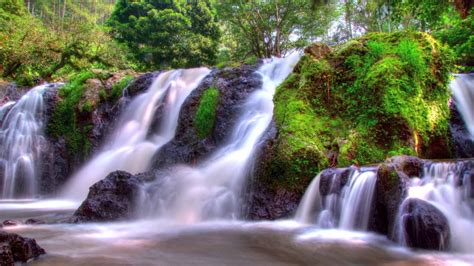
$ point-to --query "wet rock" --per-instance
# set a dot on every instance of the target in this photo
(11, 223)
(463, 144)
(14, 248)
(424, 225)
(110, 199)
(390, 190)
(234, 85)
(141, 84)
(265, 203)
(411, 166)
(333, 180)
(32, 221)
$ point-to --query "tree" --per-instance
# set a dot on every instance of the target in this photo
(169, 33)
(272, 28)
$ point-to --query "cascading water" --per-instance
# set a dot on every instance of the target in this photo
(131, 147)
(463, 91)
(347, 208)
(212, 190)
(448, 188)
(21, 135)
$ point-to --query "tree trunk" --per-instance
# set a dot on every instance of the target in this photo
(64, 9)
(464, 7)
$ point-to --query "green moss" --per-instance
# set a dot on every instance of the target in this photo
(63, 122)
(206, 112)
(117, 88)
(370, 98)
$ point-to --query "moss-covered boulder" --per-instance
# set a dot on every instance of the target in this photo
(358, 103)
(79, 114)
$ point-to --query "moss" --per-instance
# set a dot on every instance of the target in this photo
(205, 117)
(361, 103)
(117, 88)
(63, 122)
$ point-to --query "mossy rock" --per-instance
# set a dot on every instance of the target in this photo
(374, 97)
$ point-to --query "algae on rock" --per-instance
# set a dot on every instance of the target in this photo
(360, 102)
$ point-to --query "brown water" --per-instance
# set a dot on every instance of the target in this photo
(214, 243)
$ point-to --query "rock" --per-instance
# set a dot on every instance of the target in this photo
(11, 223)
(234, 85)
(34, 221)
(141, 84)
(265, 203)
(390, 190)
(463, 144)
(317, 50)
(333, 180)
(110, 199)
(409, 165)
(424, 226)
(14, 248)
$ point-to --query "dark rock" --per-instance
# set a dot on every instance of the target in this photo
(141, 84)
(424, 226)
(110, 199)
(266, 203)
(11, 223)
(390, 190)
(234, 85)
(34, 221)
(332, 180)
(463, 144)
(14, 248)
(409, 165)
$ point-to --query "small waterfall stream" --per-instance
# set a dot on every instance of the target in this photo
(212, 190)
(346, 208)
(131, 147)
(463, 92)
(447, 187)
(21, 134)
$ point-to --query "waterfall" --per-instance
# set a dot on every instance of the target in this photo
(21, 136)
(213, 189)
(463, 91)
(448, 188)
(131, 146)
(347, 208)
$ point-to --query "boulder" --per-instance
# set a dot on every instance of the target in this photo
(110, 199)
(14, 248)
(424, 226)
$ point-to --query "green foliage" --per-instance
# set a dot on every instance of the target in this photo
(460, 37)
(270, 28)
(41, 43)
(206, 112)
(117, 88)
(63, 122)
(376, 96)
(164, 34)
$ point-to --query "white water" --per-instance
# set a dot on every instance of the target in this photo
(349, 210)
(440, 186)
(213, 189)
(131, 147)
(21, 135)
(463, 92)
